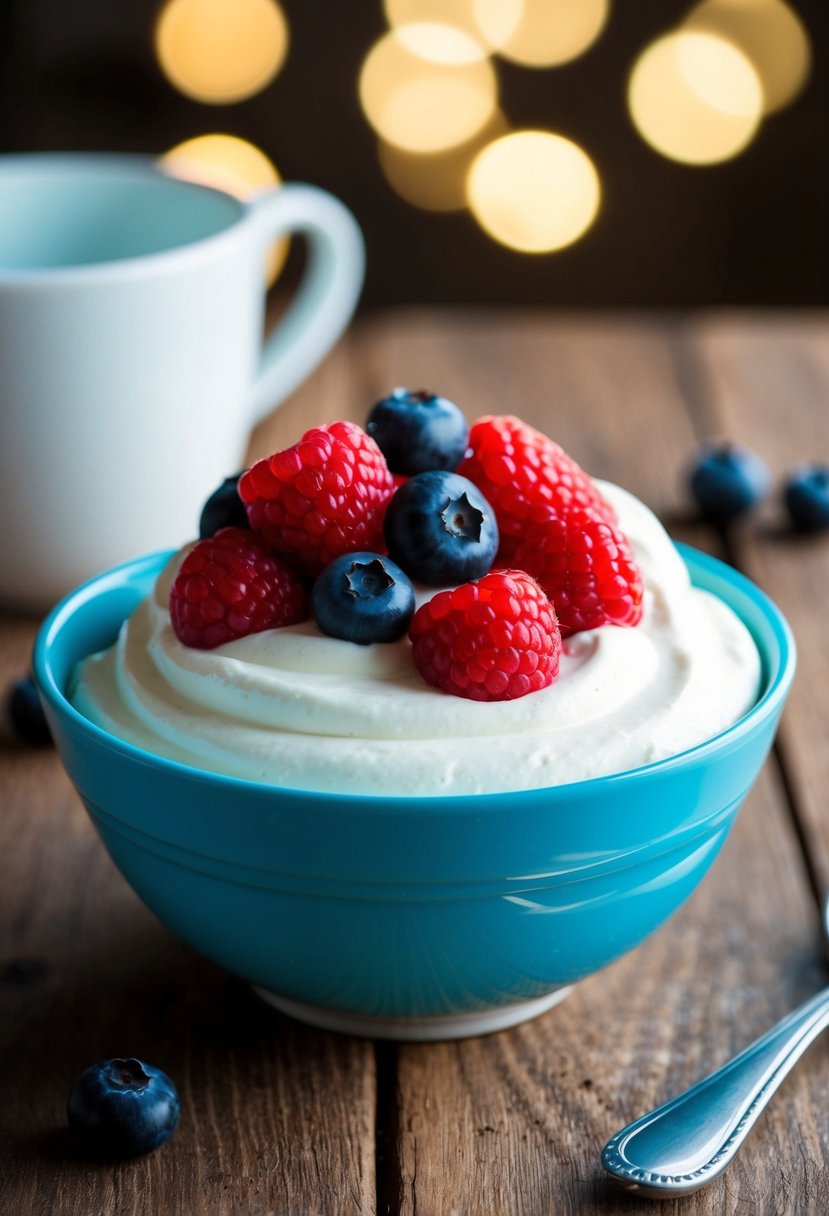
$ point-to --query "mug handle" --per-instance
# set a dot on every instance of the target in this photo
(327, 295)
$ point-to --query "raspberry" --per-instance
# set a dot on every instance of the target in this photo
(586, 568)
(228, 586)
(323, 497)
(492, 640)
(526, 477)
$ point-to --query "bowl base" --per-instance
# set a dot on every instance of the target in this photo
(415, 1030)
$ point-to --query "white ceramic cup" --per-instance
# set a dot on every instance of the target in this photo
(131, 359)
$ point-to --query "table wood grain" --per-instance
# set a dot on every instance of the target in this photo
(282, 1119)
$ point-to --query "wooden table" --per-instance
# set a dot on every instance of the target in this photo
(279, 1118)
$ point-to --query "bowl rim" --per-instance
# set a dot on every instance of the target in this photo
(778, 683)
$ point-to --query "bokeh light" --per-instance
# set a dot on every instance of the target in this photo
(695, 97)
(542, 33)
(440, 43)
(490, 22)
(534, 191)
(770, 33)
(234, 166)
(437, 181)
(416, 100)
(221, 51)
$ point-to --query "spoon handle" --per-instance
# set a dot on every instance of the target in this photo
(689, 1141)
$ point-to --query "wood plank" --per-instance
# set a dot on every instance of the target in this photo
(514, 1123)
(329, 393)
(276, 1117)
(766, 384)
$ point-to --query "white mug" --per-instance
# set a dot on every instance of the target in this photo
(131, 360)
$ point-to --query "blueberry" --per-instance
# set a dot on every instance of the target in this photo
(25, 713)
(418, 431)
(123, 1108)
(727, 481)
(441, 529)
(806, 497)
(223, 509)
(363, 597)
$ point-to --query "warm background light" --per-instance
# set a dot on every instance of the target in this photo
(230, 164)
(490, 22)
(542, 33)
(221, 51)
(770, 34)
(695, 97)
(440, 43)
(420, 104)
(534, 191)
(435, 182)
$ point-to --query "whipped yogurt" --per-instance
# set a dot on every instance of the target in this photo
(292, 707)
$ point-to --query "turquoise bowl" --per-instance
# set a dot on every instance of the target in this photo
(407, 918)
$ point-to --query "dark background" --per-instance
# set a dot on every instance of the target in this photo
(83, 76)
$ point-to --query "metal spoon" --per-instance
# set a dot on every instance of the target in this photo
(689, 1141)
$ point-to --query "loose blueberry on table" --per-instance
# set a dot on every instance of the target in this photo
(441, 529)
(418, 431)
(806, 497)
(727, 481)
(123, 1108)
(25, 713)
(223, 509)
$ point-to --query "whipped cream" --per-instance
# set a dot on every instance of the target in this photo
(292, 707)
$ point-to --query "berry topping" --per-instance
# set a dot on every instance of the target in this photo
(726, 481)
(418, 431)
(25, 713)
(363, 597)
(492, 640)
(123, 1108)
(223, 509)
(586, 568)
(526, 477)
(441, 529)
(229, 586)
(320, 498)
(806, 496)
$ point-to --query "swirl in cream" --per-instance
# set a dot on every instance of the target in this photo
(292, 707)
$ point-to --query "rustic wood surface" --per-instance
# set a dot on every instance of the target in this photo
(279, 1118)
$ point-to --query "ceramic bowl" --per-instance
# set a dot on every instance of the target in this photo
(407, 918)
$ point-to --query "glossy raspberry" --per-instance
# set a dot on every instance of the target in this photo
(320, 498)
(492, 640)
(229, 586)
(586, 567)
(525, 476)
